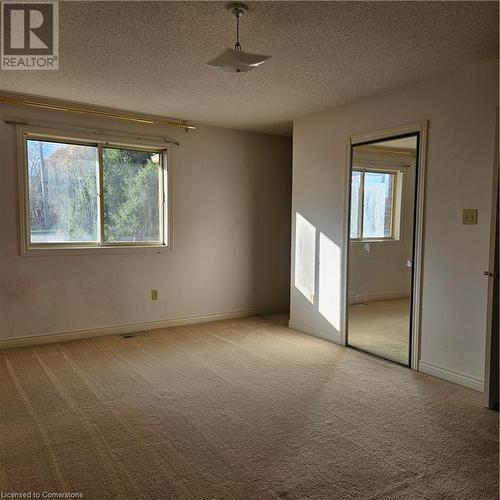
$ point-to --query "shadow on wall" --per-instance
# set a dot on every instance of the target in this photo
(268, 244)
(326, 295)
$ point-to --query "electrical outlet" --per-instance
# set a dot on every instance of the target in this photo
(154, 294)
(469, 216)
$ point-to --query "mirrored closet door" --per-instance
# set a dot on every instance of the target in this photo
(381, 247)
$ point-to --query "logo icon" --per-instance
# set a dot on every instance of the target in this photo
(30, 35)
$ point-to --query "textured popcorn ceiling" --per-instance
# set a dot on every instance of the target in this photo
(403, 143)
(149, 56)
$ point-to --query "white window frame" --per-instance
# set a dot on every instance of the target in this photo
(25, 133)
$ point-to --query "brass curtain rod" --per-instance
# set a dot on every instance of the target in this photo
(20, 101)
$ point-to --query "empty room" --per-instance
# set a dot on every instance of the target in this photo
(249, 250)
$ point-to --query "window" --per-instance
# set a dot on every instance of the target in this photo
(83, 194)
(132, 195)
(373, 207)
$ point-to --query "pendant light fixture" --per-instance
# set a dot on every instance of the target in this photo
(235, 60)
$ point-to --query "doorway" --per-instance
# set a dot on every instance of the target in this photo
(384, 227)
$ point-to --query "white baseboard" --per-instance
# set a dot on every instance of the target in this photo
(133, 327)
(451, 376)
(371, 297)
(315, 333)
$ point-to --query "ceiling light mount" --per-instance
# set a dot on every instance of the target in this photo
(235, 60)
(237, 9)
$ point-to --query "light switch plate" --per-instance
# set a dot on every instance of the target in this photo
(154, 294)
(469, 216)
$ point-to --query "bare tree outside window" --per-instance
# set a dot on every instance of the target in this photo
(62, 192)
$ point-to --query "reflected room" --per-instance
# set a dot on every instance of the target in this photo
(381, 247)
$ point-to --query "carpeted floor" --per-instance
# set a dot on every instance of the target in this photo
(381, 327)
(239, 409)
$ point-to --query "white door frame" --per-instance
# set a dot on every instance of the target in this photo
(491, 361)
(411, 128)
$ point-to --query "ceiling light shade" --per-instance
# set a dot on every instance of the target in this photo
(235, 60)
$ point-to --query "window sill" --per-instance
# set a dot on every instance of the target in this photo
(390, 241)
(42, 251)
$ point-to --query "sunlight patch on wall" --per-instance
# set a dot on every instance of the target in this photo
(305, 257)
(329, 280)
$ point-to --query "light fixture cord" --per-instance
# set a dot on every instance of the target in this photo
(237, 45)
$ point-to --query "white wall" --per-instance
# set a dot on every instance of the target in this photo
(231, 235)
(461, 111)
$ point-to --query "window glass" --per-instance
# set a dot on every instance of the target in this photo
(62, 188)
(377, 207)
(131, 185)
(355, 197)
(92, 195)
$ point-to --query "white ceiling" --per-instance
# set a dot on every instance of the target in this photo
(149, 56)
(402, 143)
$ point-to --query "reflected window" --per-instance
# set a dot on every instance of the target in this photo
(355, 201)
(373, 204)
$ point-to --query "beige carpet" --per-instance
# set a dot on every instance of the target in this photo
(382, 328)
(240, 409)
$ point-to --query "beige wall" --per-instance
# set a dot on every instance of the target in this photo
(461, 111)
(231, 235)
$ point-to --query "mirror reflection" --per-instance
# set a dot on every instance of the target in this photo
(382, 210)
